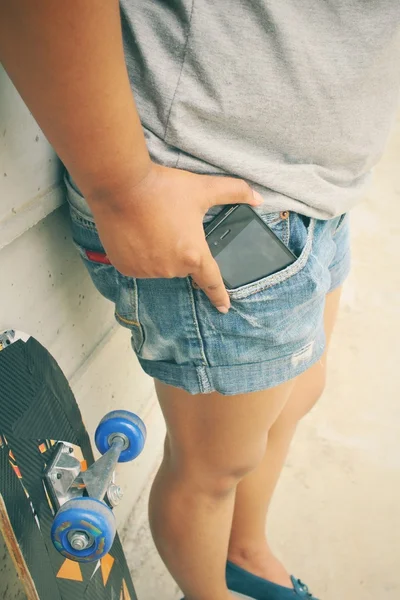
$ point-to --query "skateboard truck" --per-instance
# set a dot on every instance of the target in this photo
(65, 480)
(84, 526)
(99, 478)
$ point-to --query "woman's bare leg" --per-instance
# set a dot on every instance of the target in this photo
(213, 441)
(248, 546)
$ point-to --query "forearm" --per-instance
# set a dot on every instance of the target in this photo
(66, 59)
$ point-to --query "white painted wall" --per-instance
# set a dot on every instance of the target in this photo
(29, 170)
(45, 290)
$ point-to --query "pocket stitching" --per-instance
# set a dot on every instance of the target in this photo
(196, 322)
(80, 218)
(83, 222)
(131, 282)
(286, 231)
(284, 235)
(127, 321)
(76, 214)
(259, 286)
(133, 324)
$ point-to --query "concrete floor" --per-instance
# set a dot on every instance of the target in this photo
(335, 520)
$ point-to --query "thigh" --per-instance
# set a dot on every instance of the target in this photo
(219, 433)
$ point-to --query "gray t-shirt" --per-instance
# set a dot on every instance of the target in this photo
(295, 96)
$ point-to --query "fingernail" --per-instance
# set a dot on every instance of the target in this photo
(258, 197)
(223, 309)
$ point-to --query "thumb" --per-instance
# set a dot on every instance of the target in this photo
(228, 190)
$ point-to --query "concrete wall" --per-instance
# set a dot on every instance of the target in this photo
(45, 290)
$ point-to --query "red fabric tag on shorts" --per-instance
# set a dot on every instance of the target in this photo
(98, 257)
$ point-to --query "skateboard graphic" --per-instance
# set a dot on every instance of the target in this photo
(57, 527)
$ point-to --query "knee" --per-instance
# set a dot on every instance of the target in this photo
(221, 481)
(216, 477)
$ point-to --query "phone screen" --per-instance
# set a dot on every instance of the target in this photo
(250, 251)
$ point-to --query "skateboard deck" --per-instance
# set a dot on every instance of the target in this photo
(37, 412)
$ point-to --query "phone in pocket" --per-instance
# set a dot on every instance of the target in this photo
(245, 248)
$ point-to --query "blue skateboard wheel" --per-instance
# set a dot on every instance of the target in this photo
(128, 425)
(80, 522)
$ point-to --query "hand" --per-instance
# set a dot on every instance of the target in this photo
(155, 228)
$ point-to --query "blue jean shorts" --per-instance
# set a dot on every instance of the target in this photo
(273, 332)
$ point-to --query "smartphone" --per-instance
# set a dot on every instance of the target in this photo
(245, 248)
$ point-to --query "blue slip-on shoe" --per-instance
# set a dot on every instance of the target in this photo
(251, 586)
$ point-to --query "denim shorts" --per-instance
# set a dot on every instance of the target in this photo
(273, 332)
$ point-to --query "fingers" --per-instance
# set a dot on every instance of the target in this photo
(208, 278)
(228, 190)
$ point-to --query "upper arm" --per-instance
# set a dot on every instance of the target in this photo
(67, 61)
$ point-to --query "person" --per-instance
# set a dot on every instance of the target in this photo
(163, 112)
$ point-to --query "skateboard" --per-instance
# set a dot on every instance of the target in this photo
(58, 538)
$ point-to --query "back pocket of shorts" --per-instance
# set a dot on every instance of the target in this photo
(120, 290)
